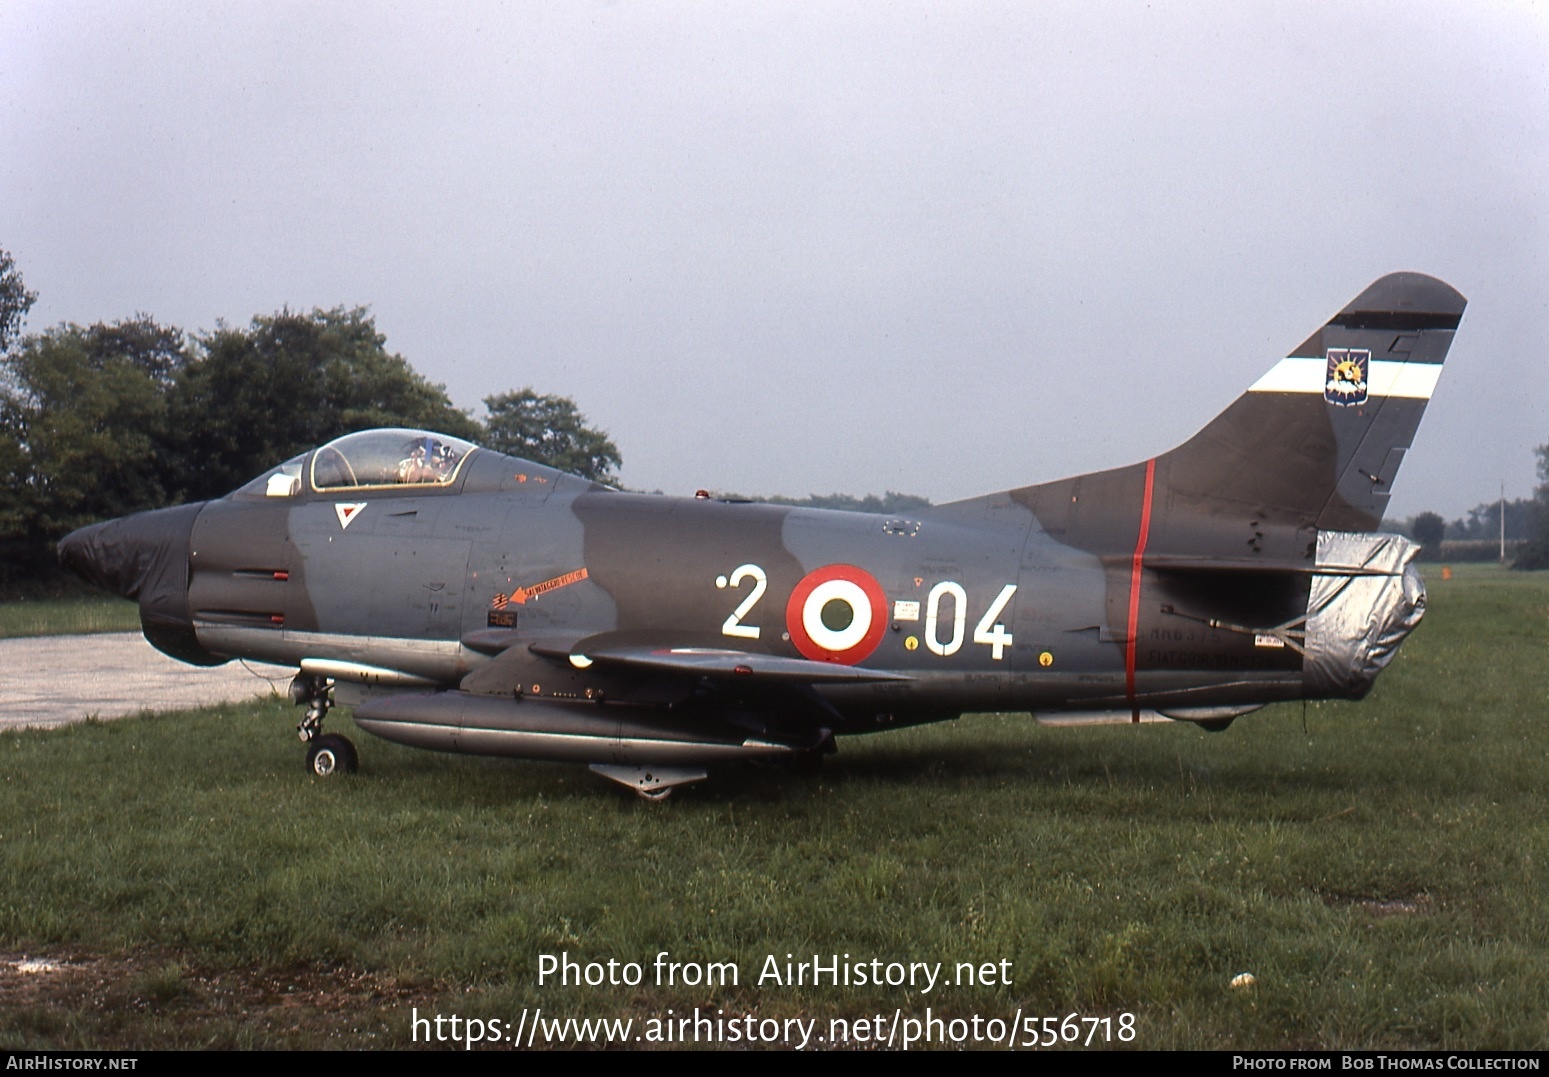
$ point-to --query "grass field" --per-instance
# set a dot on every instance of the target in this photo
(1379, 869)
(67, 616)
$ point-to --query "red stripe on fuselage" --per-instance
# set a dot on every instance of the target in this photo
(1134, 592)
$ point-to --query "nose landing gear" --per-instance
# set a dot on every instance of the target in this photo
(327, 753)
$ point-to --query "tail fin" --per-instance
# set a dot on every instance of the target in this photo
(1323, 433)
(1313, 445)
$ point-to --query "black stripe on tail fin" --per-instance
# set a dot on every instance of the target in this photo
(1313, 445)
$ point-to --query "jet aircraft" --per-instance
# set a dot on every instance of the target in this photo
(468, 601)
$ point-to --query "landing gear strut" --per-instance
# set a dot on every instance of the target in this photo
(327, 753)
(317, 694)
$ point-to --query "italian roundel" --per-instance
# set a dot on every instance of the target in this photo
(837, 613)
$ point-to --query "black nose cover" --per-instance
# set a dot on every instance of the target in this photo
(145, 557)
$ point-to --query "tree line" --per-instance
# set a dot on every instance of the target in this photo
(103, 420)
(1535, 551)
(1479, 535)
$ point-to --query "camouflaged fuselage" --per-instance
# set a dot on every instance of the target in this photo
(499, 605)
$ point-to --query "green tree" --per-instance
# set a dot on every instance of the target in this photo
(1535, 553)
(549, 430)
(15, 301)
(253, 397)
(82, 427)
(1428, 529)
(1484, 520)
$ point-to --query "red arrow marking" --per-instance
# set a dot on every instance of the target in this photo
(522, 594)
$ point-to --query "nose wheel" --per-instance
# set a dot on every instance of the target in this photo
(331, 754)
(327, 753)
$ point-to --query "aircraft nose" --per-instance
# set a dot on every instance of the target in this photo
(140, 555)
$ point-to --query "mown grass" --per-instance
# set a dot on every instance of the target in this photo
(67, 616)
(1378, 868)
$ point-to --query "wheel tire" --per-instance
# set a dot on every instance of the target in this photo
(331, 754)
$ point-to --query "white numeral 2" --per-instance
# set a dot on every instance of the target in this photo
(734, 625)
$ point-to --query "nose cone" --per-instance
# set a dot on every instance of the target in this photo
(143, 556)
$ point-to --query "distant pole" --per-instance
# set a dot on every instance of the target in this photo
(1503, 522)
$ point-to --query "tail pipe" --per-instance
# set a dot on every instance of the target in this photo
(1367, 596)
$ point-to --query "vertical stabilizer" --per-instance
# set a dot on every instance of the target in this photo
(1313, 445)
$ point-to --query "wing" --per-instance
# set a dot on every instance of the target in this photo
(716, 663)
(619, 698)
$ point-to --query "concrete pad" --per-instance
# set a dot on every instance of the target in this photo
(53, 680)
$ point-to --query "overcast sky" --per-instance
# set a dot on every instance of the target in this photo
(806, 247)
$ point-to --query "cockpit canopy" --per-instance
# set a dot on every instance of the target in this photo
(369, 459)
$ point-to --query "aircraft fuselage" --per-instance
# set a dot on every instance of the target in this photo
(470, 601)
